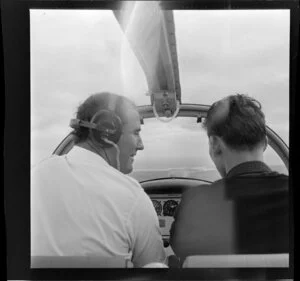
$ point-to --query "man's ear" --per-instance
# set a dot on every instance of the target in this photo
(215, 144)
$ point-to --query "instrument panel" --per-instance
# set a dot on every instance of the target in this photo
(165, 206)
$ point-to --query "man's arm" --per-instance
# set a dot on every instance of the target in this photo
(145, 233)
(177, 236)
(204, 223)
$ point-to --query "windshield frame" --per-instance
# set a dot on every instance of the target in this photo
(198, 111)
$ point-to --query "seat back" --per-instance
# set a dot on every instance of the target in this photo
(79, 262)
(236, 261)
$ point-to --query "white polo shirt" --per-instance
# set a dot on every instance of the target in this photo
(81, 206)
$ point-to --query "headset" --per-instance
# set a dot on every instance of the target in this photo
(105, 126)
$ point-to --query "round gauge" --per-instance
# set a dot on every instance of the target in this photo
(158, 207)
(169, 208)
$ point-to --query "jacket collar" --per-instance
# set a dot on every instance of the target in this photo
(246, 168)
(82, 155)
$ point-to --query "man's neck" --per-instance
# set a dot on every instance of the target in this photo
(235, 158)
(92, 147)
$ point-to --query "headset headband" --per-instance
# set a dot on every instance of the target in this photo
(76, 123)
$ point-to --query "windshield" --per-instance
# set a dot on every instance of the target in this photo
(78, 52)
(180, 149)
(238, 51)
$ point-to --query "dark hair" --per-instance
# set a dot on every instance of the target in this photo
(238, 120)
(95, 103)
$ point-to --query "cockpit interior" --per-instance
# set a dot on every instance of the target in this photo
(164, 43)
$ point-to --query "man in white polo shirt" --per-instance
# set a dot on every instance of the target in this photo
(83, 203)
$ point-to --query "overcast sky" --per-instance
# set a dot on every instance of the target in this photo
(78, 52)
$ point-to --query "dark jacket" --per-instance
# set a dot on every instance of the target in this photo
(244, 213)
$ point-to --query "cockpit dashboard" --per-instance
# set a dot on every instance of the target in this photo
(165, 194)
(165, 207)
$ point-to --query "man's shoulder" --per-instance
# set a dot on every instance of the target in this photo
(129, 185)
(51, 160)
(128, 180)
(265, 184)
(133, 181)
(263, 178)
(200, 190)
(205, 186)
(277, 176)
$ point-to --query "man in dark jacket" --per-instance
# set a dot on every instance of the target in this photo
(246, 212)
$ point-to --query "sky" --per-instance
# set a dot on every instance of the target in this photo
(75, 53)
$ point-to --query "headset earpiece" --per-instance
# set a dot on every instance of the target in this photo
(108, 126)
(105, 125)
